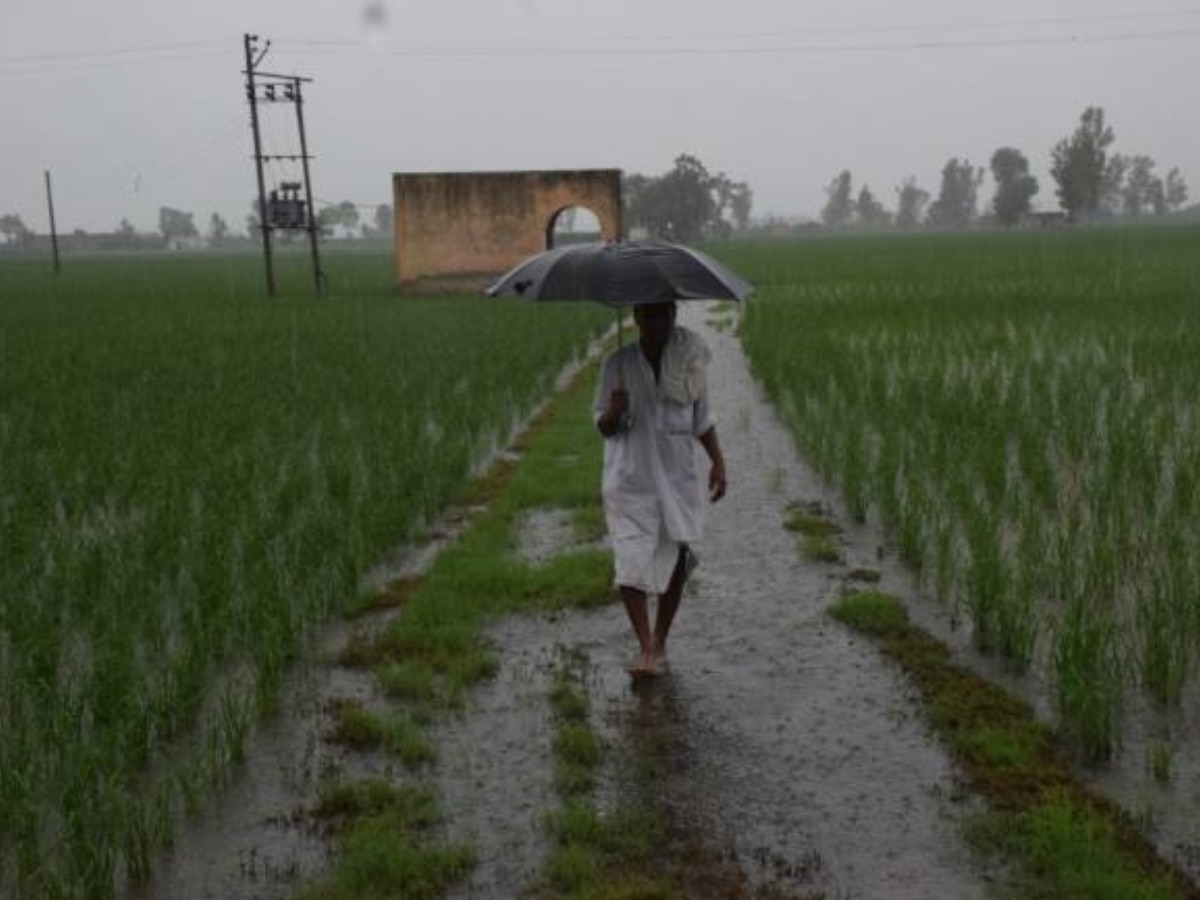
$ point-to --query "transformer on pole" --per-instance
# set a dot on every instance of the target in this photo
(282, 209)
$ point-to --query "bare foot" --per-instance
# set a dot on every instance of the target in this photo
(660, 656)
(648, 664)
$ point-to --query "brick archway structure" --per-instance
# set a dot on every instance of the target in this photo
(458, 230)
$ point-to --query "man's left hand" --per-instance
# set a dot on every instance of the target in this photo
(716, 481)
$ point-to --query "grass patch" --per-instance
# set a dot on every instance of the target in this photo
(376, 862)
(595, 856)
(1065, 840)
(391, 596)
(384, 851)
(357, 727)
(818, 534)
(810, 524)
(409, 808)
(820, 548)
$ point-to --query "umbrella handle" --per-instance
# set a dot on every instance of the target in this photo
(620, 342)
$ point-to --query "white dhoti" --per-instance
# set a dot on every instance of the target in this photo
(654, 493)
(643, 560)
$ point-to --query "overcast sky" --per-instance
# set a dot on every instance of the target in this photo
(137, 104)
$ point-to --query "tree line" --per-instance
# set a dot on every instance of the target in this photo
(1090, 183)
(177, 228)
(687, 203)
(690, 203)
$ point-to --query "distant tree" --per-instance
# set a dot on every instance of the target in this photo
(13, 230)
(910, 204)
(955, 205)
(176, 224)
(348, 215)
(633, 198)
(839, 207)
(344, 214)
(687, 197)
(1142, 188)
(679, 205)
(1175, 190)
(254, 220)
(741, 203)
(1158, 197)
(687, 203)
(1015, 187)
(734, 201)
(651, 209)
(218, 229)
(328, 218)
(384, 220)
(869, 212)
(1078, 165)
(1112, 185)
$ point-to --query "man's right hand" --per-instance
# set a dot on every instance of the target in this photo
(615, 416)
(618, 403)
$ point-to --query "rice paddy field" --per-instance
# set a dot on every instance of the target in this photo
(1020, 413)
(194, 476)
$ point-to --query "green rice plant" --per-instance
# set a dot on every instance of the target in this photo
(1160, 759)
(1087, 677)
(986, 583)
(1018, 422)
(191, 479)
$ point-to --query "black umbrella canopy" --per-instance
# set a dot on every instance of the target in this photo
(622, 272)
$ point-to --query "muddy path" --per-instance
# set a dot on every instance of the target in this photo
(783, 744)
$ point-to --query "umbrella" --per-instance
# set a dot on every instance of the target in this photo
(622, 273)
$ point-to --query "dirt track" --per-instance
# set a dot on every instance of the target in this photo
(785, 746)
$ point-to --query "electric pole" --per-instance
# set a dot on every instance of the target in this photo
(53, 227)
(263, 222)
(283, 209)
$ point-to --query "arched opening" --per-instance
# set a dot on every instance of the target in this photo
(572, 225)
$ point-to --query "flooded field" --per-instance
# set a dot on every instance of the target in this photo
(788, 754)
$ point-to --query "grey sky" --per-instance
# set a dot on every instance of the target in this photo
(137, 104)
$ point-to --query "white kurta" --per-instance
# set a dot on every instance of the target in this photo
(654, 490)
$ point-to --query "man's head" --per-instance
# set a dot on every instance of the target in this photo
(655, 321)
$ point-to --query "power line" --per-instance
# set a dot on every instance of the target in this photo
(661, 44)
(12, 67)
(613, 42)
(110, 54)
(579, 50)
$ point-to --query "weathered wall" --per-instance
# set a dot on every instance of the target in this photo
(461, 229)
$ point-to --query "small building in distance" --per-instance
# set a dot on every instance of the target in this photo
(456, 231)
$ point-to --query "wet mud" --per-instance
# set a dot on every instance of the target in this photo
(785, 755)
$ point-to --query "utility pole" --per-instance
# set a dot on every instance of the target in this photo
(318, 275)
(287, 212)
(264, 223)
(53, 228)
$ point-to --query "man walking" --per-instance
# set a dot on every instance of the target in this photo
(652, 407)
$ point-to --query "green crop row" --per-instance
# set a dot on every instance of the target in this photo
(192, 477)
(1020, 412)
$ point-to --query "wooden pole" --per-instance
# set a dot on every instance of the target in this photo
(318, 275)
(264, 221)
(53, 227)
